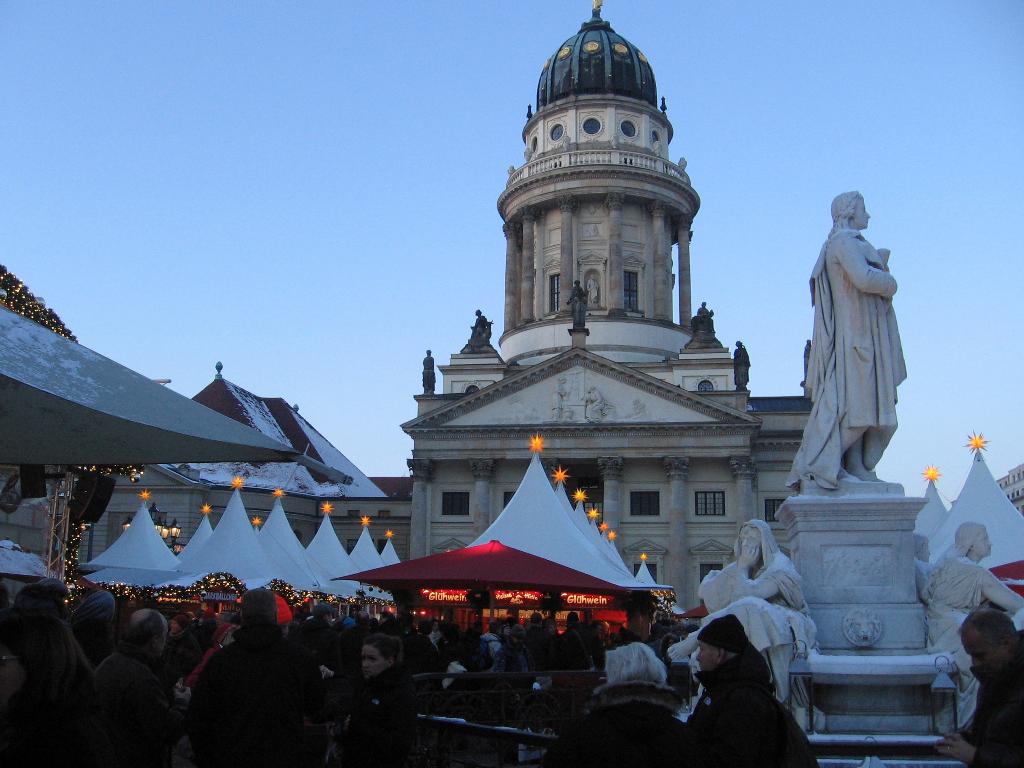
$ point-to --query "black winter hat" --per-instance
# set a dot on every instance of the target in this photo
(726, 633)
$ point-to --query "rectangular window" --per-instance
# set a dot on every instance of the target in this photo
(631, 291)
(383, 513)
(706, 568)
(652, 567)
(508, 498)
(353, 513)
(771, 509)
(455, 503)
(644, 503)
(709, 503)
(554, 294)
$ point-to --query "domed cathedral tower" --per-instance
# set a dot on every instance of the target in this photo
(599, 202)
(647, 411)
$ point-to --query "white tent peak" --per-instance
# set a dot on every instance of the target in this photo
(199, 538)
(981, 500)
(643, 574)
(232, 548)
(282, 548)
(933, 514)
(138, 547)
(327, 551)
(364, 554)
(389, 555)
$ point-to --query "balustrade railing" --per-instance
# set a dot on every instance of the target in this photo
(596, 157)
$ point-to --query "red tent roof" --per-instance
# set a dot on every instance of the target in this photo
(1012, 574)
(486, 566)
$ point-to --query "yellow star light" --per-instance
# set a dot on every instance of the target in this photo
(278, 493)
(579, 496)
(145, 495)
(602, 527)
(327, 507)
(931, 473)
(643, 556)
(560, 476)
(364, 520)
(257, 521)
(536, 444)
(237, 481)
(206, 509)
(593, 514)
(612, 535)
(976, 442)
(388, 534)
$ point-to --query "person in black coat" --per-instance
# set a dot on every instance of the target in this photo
(630, 722)
(49, 714)
(736, 723)
(379, 732)
(92, 624)
(250, 701)
(996, 736)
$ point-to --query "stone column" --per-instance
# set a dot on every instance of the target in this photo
(483, 472)
(662, 291)
(527, 274)
(567, 253)
(611, 475)
(677, 470)
(683, 232)
(422, 471)
(614, 299)
(513, 261)
(744, 470)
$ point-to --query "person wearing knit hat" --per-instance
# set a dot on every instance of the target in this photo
(735, 722)
(92, 623)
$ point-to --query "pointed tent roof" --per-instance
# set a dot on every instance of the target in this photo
(982, 501)
(933, 514)
(364, 554)
(535, 521)
(282, 548)
(643, 575)
(388, 554)
(232, 548)
(199, 538)
(599, 541)
(326, 550)
(138, 547)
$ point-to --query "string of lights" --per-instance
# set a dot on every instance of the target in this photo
(17, 298)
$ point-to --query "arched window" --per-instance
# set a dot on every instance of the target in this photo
(705, 385)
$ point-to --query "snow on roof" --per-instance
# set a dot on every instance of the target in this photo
(15, 561)
(232, 548)
(361, 485)
(199, 538)
(643, 575)
(138, 547)
(326, 549)
(364, 554)
(256, 412)
(535, 521)
(388, 554)
(933, 514)
(982, 501)
(268, 476)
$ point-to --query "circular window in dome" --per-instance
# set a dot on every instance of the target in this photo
(628, 128)
(641, 57)
(592, 126)
(620, 49)
(556, 132)
(592, 46)
(655, 136)
(547, 63)
(564, 52)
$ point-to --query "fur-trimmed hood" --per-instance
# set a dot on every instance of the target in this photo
(635, 692)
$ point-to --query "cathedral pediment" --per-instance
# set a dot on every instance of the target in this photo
(580, 388)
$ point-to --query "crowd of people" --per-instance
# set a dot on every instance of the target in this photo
(245, 688)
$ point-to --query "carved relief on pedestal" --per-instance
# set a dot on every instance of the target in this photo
(862, 627)
(858, 566)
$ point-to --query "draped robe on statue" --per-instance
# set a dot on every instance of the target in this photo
(856, 360)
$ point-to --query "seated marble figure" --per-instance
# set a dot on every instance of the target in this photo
(762, 589)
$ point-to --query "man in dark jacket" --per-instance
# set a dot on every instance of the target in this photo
(248, 706)
(736, 723)
(996, 736)
(140, 719)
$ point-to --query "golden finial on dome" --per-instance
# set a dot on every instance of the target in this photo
(597, 7)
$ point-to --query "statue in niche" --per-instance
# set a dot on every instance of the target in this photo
(578, 304)
(741, 367)
(763, 590)
(856, 360)
(702, 326)
(593, 292)
(429, 378)
(479, 335)
(956, 586)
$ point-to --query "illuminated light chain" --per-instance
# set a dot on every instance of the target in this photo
(17, 298)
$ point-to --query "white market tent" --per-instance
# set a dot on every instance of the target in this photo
(327, 551)
(138, 547)
(389, 555)
(594, 535)
(932, 515)
(982, 501)
(535, 521)
(232, 548)
(643, 575)
(198, 540)
(364, 554)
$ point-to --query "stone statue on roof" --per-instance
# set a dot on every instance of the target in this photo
(741, 367)
(578, 303)
(479, 335)
(429, 377)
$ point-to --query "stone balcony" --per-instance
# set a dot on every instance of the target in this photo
(596, 157)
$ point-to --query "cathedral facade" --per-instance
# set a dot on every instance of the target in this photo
(643, 406)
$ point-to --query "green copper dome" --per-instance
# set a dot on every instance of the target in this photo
(593, 61)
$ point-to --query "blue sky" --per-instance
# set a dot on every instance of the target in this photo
(306, 191)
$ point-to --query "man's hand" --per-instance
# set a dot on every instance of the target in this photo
(955, 746)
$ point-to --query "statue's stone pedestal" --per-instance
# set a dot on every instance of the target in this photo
(855, 554)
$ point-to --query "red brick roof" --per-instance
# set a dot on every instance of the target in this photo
(394, 487)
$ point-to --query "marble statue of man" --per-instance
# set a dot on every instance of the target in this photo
(856, 356)
(956, 586)
(763, 590)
